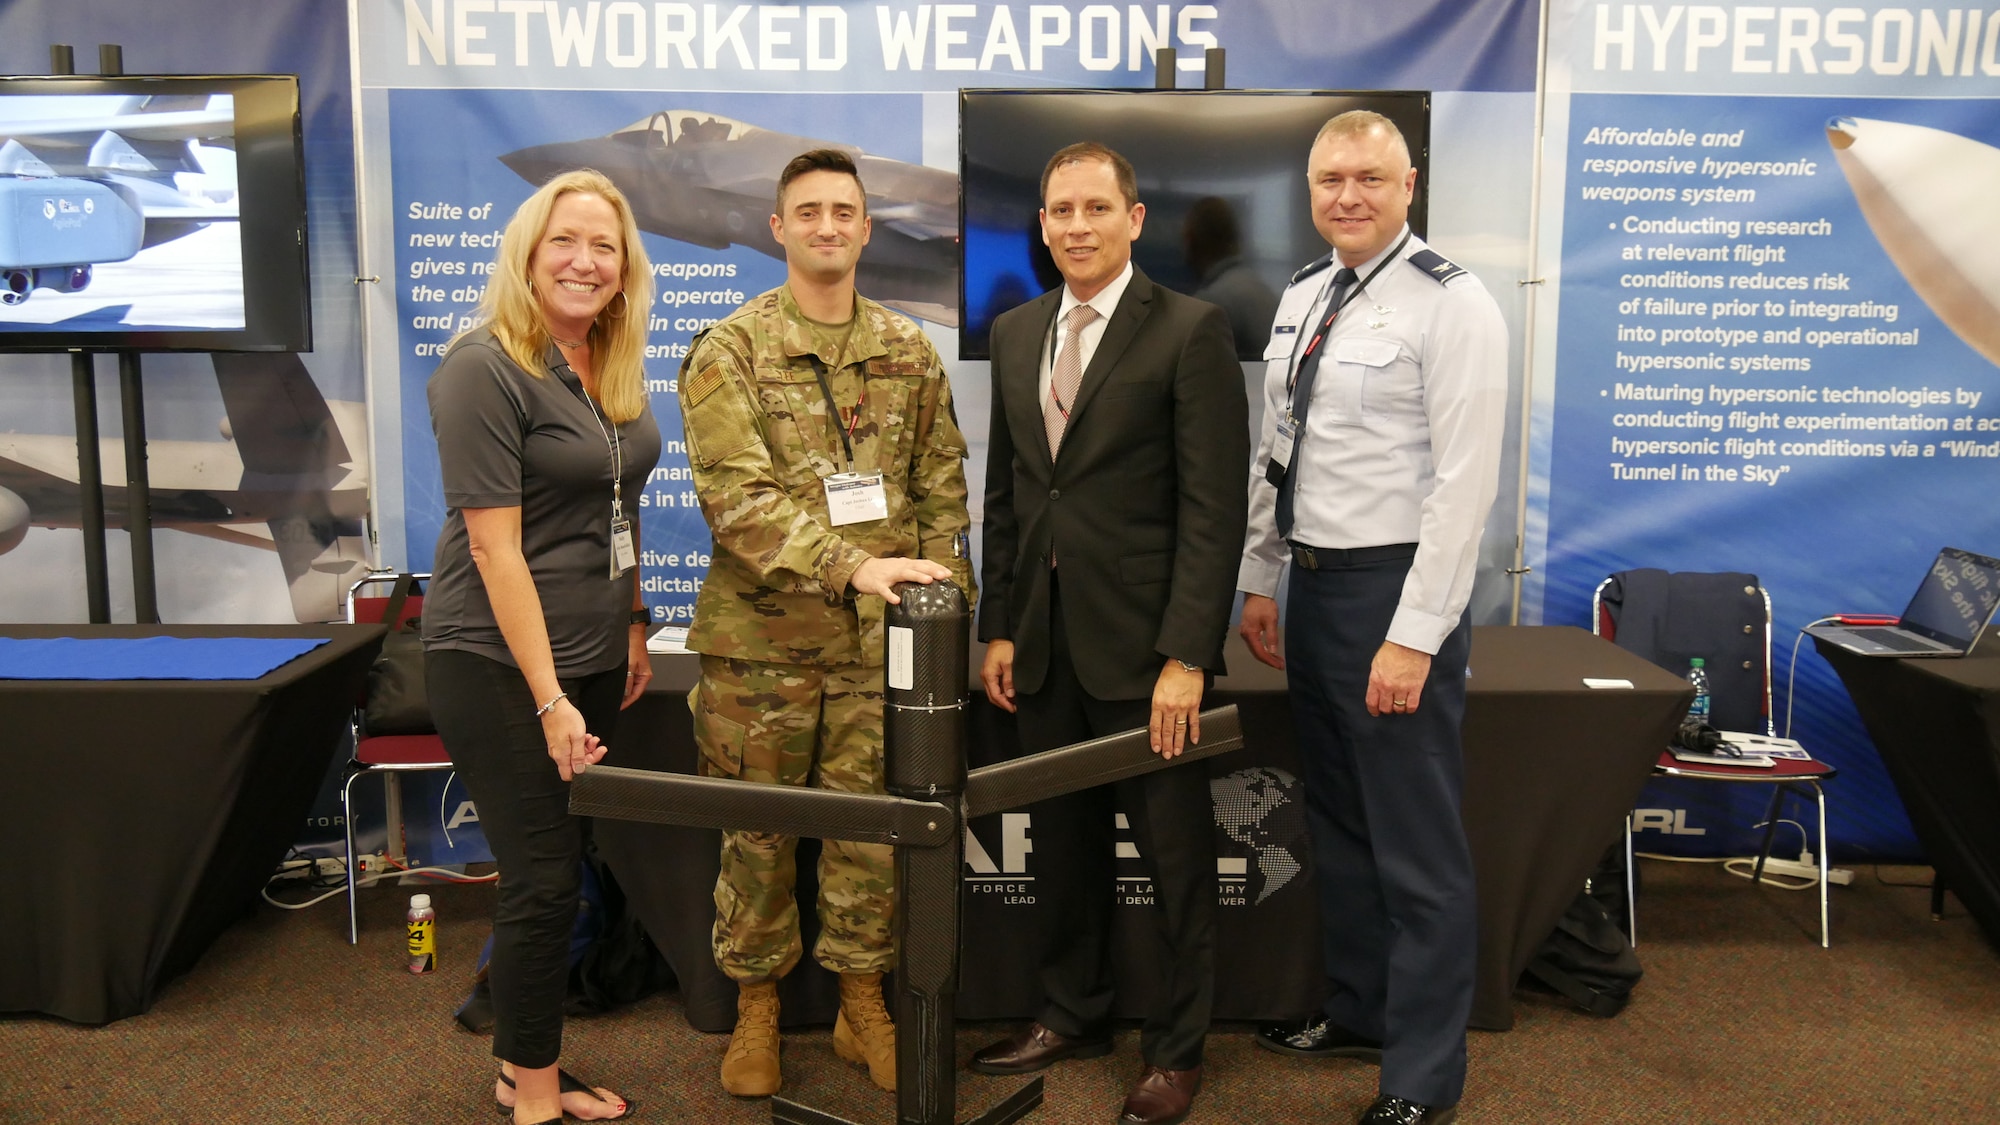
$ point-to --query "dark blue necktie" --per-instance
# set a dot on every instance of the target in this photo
(1302, 388)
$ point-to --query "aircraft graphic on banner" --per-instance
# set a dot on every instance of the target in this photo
(92, 179)
(1929, 196)
(712, 181)
(289, 477)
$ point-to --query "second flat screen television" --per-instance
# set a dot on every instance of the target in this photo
(1222, 174)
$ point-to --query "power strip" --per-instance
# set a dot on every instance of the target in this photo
(1805, 867)
(332, 866)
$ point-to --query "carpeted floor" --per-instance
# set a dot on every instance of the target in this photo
(1742, 1018)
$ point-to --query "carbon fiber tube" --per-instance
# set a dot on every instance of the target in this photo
(716, 802)
(928, 636)
(1081, 765)
(924, 738)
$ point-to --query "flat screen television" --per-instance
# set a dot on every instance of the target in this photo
(152, 213)
(1222, 174)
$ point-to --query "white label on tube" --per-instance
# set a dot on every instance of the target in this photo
(902, 674)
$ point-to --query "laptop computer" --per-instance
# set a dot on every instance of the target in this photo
(1950, 609)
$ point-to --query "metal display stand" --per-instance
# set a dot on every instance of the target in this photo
(89, 462)
(930, 796)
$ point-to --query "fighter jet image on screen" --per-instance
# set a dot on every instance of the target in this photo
(289, 476)
(713, 181)
(94, 180)
(1933, 200)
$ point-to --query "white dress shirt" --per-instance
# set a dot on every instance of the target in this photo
(1403, 436)
(1106, 303)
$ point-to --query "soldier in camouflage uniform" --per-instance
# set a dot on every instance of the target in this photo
(801, 384)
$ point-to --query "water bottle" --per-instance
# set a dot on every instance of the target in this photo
(1698, 676)
(423, 934)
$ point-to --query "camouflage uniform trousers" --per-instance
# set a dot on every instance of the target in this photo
(795, 724)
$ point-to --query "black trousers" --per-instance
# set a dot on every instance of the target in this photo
(1172, 821)
(1397, 909)
(486, 716)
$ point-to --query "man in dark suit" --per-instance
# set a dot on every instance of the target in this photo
(1115, 492)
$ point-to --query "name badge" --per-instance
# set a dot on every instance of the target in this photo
(856, 498)
(1281, 450)
(1285, 330)
(623, 555)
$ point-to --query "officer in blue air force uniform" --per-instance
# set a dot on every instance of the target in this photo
(1385, 397)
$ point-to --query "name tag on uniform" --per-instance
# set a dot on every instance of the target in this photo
(1285, 330)
(856, 498)
(1281, 450)
(623, 555)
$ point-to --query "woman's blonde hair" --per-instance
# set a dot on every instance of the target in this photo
(617, 338)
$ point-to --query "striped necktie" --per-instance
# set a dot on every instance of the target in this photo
(1067, 378)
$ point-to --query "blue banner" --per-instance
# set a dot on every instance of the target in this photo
(1762, 356)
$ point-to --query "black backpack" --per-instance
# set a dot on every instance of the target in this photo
(1588, 959)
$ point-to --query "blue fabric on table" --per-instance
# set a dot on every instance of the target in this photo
(148, 658)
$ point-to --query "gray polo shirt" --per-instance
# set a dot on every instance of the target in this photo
(508, 439)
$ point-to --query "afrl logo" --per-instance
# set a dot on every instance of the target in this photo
(1009, 878)
(1673, 822)
(1014, 847)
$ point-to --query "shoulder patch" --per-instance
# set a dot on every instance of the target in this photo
(1435, 265)
(702, 385)
(1312, 268)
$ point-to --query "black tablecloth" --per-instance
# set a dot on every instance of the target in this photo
(140, 817)
(1936, 724)
(1551, 769)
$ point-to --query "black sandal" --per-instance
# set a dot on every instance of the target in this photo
(566, 1083)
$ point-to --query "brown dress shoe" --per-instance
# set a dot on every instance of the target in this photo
(1033, 1048)
(1161, 1096)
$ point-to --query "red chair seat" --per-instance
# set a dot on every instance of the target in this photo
(402, 750)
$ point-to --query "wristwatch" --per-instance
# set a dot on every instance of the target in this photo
(1186, 667)
(642, 617)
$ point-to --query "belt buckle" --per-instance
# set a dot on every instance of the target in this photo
(1304, 557)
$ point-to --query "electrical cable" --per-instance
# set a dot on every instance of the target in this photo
(1792, 674)
(1749, 863)
(442, 822)
(441, 873)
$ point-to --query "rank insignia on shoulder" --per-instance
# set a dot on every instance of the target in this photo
(1440, 268)
(1312, 268)
(703, 384)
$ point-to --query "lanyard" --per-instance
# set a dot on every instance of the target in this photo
(1346, 299)
(833, 409)
(611, 442)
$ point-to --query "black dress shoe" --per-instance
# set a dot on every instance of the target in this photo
(1402, 1111)
(1033, 1048)
(1317, 1037)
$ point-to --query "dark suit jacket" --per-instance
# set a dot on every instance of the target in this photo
(1145, 507)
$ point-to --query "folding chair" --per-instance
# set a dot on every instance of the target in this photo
(391, 755)
(1726, 619)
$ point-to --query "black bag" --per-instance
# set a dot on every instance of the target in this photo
(1588, 959)
(396, 700)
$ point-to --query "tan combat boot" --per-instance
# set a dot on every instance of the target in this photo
(864, 1034)
(750, 1069)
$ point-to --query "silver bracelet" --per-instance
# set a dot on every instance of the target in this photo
(546, 707)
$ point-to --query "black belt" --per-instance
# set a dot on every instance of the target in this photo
(1317, 558)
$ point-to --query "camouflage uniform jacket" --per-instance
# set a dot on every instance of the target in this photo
(759, 442)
